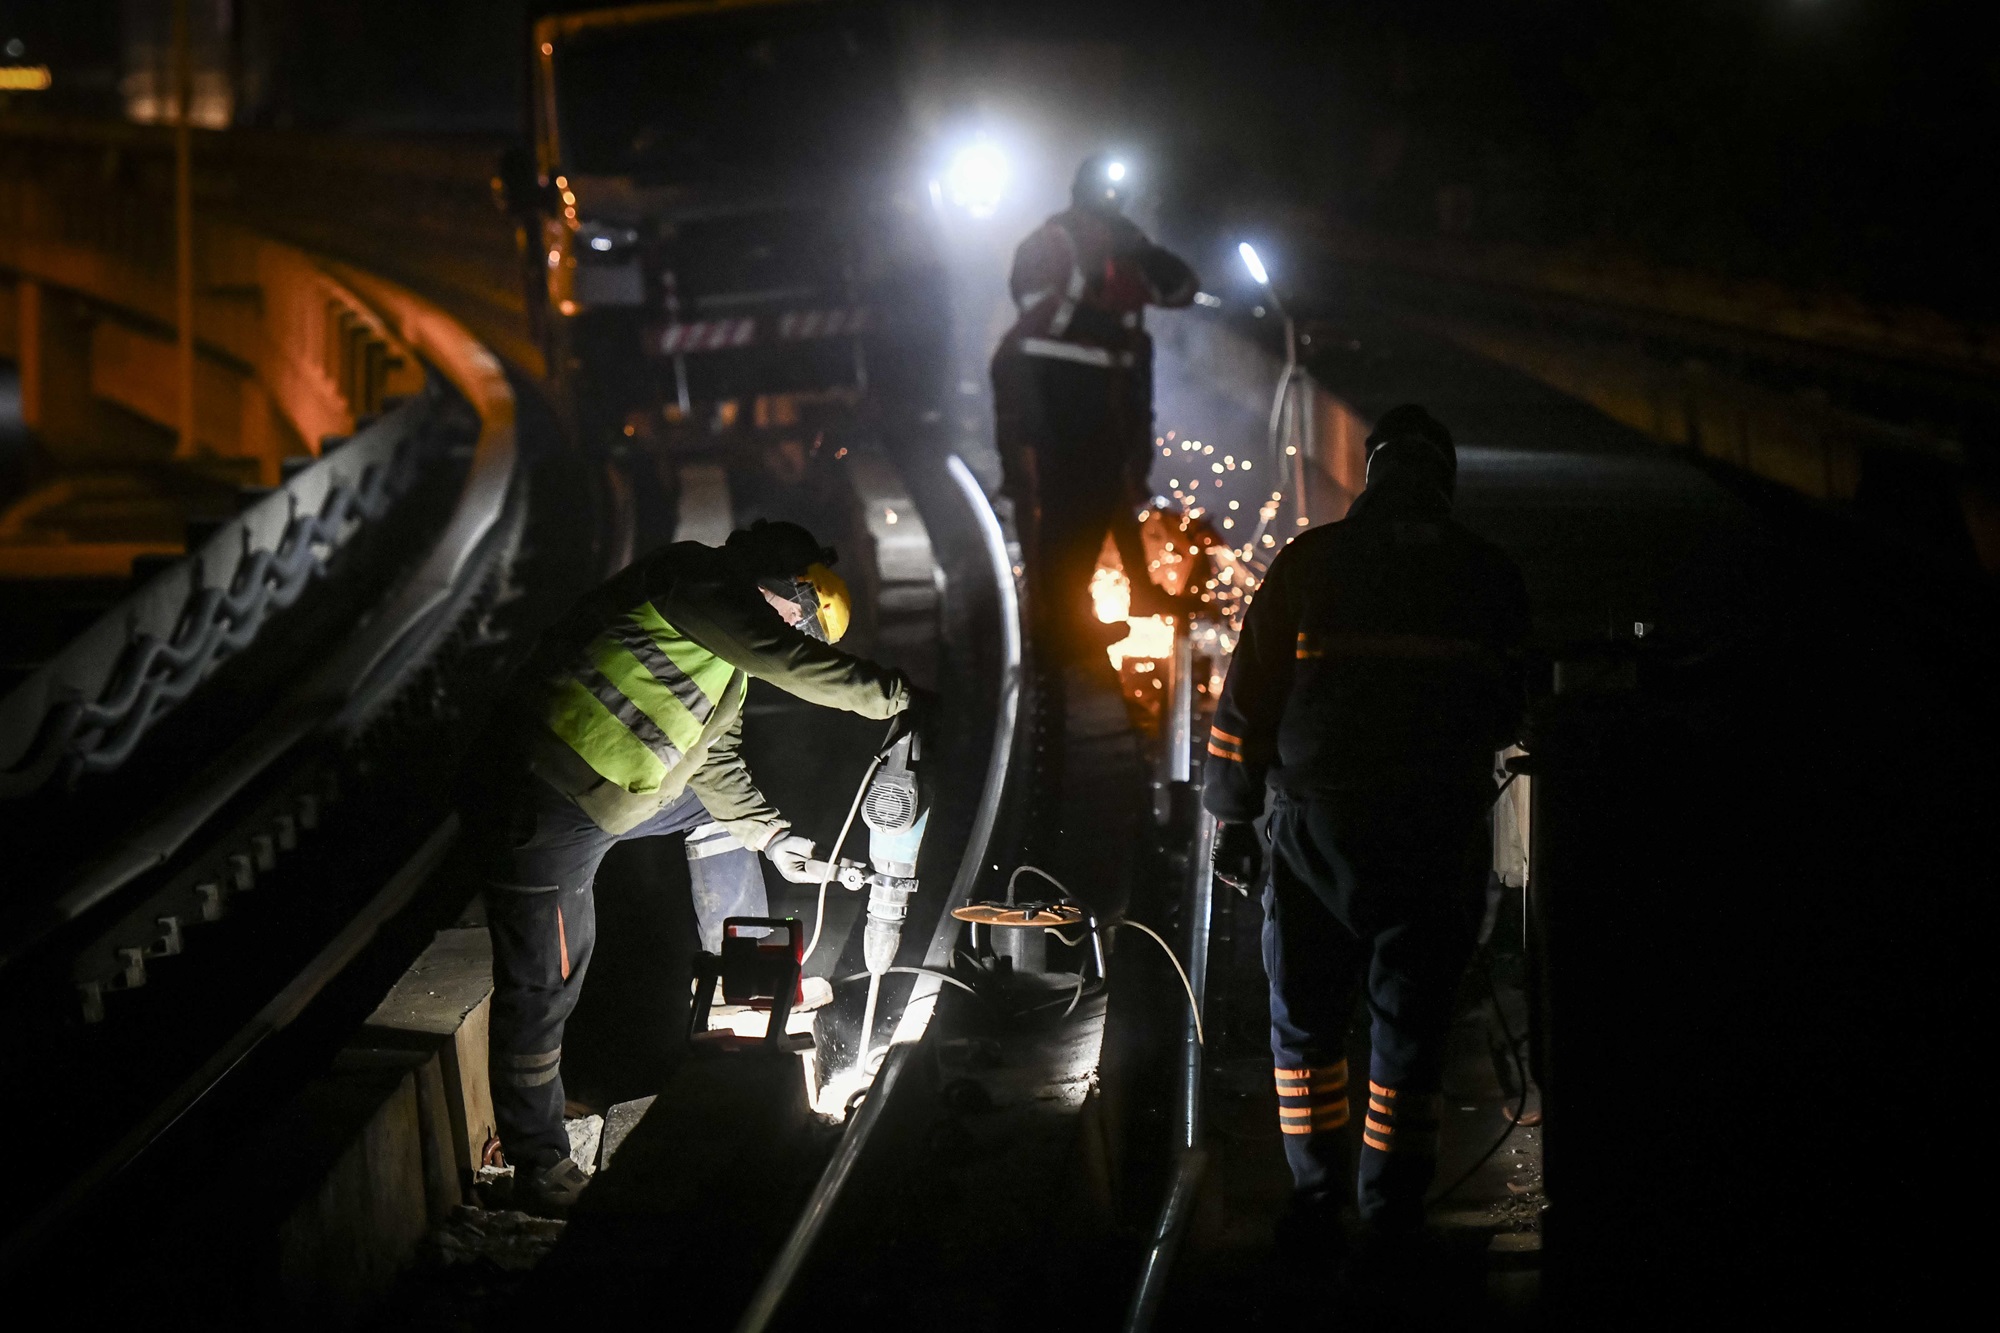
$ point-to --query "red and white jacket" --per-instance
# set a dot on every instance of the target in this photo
(1082, 282)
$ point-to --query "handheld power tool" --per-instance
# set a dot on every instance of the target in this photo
(896, 809)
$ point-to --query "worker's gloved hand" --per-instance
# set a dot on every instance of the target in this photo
(1239, 856)
(791, 854)
(920, 715)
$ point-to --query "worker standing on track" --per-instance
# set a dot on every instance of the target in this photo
(1073, 400)
(1376, 676)
(628, 727)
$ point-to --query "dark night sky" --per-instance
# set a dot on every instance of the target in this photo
(1839, 144)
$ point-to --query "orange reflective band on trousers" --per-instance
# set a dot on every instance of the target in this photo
(1225, 746)
(1400, 1124)
(562, 941)
(1311, 1101)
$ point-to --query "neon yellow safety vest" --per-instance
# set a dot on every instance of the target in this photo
(643, 702)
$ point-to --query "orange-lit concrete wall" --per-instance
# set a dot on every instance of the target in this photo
(286, 353)
(1779, 438)
(1336, 458)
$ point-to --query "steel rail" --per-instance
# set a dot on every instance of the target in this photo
(351, 683)
(274, 1017)
(914, 1023)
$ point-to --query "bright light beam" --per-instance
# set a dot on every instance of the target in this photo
(977, 178)
(1116, 171)
(1254, 264)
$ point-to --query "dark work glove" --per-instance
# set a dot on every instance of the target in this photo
(921, 715)
(1239, 856)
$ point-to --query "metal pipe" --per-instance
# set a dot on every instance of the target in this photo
(1200, 914)
(1278, 400)
(868, 1020)
(184, 445)
(1180, 705)
(1192, 1160)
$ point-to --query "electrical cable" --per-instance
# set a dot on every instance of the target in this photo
(833, 860)
(1194, 1009)
(1513, 1053)
(1026, 869)
(1520, 1076)
(1070, 1004)
(945, 977)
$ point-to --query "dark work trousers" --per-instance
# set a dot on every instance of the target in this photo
(1382, 893)
(1075, 442)
(543, 918)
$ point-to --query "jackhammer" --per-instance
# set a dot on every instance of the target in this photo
(896, 812)
(896, 809)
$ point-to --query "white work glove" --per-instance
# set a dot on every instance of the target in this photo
(790, 854)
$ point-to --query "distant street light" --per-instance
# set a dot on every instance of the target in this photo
(1286, 383)
(1255, 265)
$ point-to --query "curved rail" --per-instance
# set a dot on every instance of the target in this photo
(89, 707)
(355, 681)
(417, 614)
(916, 1016)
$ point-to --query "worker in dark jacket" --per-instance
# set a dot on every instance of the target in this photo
(628, 727)
(1376, 676)
(1073, 400)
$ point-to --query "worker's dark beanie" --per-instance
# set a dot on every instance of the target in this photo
(1409, 426)
(769, 547)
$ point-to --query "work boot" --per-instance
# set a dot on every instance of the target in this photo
(548, 1191)
(1310, 1233)
(1398, 1272)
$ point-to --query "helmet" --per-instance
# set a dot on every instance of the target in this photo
(832, 608)
(1410, 436)
(1104, 182)
(825, 606)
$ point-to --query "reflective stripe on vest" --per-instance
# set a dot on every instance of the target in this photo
(641, 700)
(1081, 353)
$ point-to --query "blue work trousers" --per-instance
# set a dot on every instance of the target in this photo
(1382, 894)
(543, 917)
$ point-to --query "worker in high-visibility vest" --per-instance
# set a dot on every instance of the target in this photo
(627, 725)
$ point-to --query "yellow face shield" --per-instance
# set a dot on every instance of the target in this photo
(835, 607)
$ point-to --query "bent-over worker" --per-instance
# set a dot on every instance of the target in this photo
(628, 725)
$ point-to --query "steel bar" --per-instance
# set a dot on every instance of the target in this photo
(1180, 705)
(184, 230)
(1192, 1158)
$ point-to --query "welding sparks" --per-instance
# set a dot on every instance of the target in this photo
(1151, 637)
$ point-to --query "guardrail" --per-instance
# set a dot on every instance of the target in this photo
(364, 673)
(87, 709)
(280, 765)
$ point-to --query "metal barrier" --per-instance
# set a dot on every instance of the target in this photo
(86, 710)
(369, 666)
